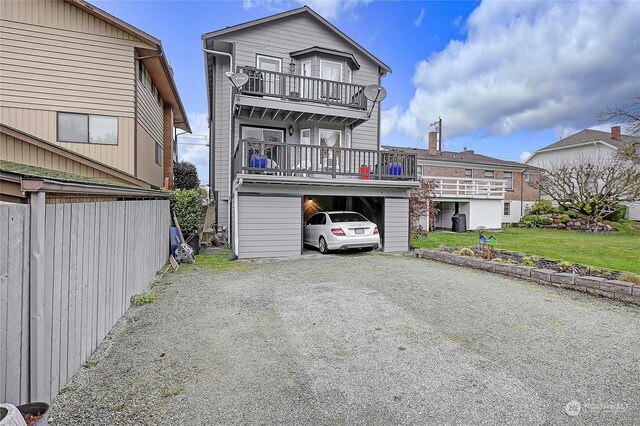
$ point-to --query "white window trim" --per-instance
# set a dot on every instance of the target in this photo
(320, 129)
(302, 64)
(331, 62)
(507, 205)
(258, 57)
(506, 185)
(305, 130)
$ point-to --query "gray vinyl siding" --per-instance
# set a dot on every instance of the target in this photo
(221, 135)
(396, 224)
(278, 39)
(281, 37)
(269, 226)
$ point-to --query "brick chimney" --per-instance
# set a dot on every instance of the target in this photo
(615, 133)
(433, 143)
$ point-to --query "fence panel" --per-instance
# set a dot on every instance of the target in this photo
(97, 255)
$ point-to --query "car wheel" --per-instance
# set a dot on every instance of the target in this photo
(322, 245)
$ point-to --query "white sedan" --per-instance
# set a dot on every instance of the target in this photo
(340, 231)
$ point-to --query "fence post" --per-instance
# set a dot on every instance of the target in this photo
(37, 373)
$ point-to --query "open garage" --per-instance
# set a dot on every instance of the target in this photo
(269, 222)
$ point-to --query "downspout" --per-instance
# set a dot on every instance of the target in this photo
(231, 68)
(521, 194)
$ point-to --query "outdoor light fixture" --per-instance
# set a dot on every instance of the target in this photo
(292, 67)
(310, 200)
(290, 130)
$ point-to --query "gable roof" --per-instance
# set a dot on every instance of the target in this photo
(460, 157)
(348, 56)
(588, 136)
(304, 9)
(180, 120)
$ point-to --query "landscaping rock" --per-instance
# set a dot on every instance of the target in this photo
(563, 279)
(542, 274)
(589, 282)
(617, 286)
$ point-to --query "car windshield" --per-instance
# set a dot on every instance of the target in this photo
(347, 217)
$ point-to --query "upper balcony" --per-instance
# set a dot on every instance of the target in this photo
(465, 188)
(276, 159)
(281, 96)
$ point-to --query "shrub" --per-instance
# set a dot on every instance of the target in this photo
(187, 205)
(565, 265)
(529, 261)
(619, 212)
(144, 298)
(564, 218)
(185, 176)
(533, 220)
(466, 251)
(497, 259)
(630, 278)
(541, 207)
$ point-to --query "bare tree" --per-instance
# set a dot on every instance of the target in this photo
(629, 117)
(421, 203)
(591, 186)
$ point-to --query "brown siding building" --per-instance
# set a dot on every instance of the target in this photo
(83, 92)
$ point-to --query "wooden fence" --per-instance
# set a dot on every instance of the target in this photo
(96, 256)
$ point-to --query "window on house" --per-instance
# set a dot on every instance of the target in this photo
(141, 72)
(489, 174)
(331, 71)
(468, 173)
(329, 138)
(159, 154)
(508, 176)
(85, 128)
(507, 209)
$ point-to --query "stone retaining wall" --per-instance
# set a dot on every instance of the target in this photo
(613, 289)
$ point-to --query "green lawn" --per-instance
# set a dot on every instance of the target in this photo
(619, 251)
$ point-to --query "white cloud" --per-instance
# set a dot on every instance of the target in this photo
(389, 120)
(420, 18)
(329, 9)
(192, 147)
(529, 66)
(524, 155)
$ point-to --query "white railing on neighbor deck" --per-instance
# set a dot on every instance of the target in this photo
(468, 187)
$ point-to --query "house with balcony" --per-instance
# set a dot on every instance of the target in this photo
(490, 192)
(292, 133)
(84, 93)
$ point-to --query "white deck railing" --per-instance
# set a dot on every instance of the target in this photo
(468, 187)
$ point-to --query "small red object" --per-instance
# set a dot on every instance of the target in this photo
(364, 172)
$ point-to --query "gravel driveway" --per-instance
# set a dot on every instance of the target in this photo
(360, 339)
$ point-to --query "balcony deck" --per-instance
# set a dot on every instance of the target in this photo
(281, 96)
(465, 188)
(322, 162)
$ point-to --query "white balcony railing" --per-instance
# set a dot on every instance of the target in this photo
(468, 187)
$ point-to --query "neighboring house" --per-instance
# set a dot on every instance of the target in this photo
(297, 137)
(586, 145)
(488, 191)
(84, 93)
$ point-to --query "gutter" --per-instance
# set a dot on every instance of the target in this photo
(53, 186)
(230, 159)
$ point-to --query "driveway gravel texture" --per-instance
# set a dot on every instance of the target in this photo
(367, 338)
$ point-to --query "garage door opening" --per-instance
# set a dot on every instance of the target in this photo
(372, 208)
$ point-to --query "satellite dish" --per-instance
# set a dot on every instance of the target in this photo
(238, 79)
(375, 93)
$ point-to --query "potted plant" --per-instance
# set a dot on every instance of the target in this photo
(187, 206)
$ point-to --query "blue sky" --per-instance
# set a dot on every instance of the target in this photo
(507, 78)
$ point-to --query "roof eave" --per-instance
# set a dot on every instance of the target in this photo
(383, 67)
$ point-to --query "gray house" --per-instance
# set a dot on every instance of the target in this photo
(293, 133)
